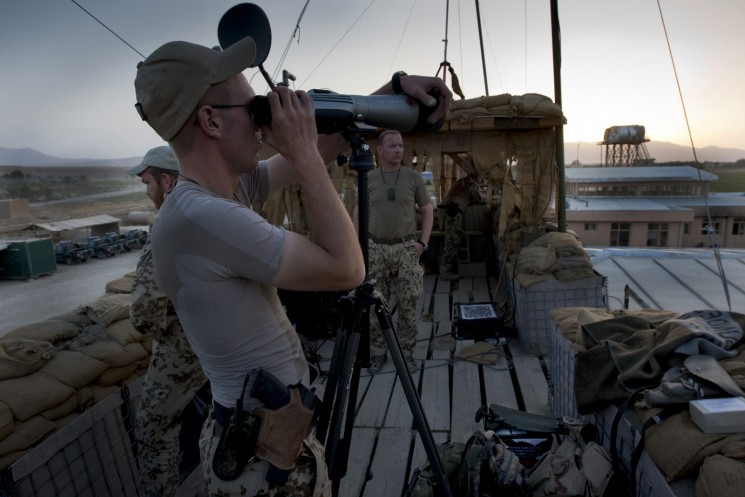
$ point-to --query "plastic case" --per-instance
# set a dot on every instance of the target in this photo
(533, 304)
(477, 320)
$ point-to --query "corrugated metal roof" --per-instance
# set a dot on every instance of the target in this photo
(618, 204)
(83, 222)
(636, 173)
(671, 203)
(678, 280)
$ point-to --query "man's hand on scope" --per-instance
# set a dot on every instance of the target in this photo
(422, 87)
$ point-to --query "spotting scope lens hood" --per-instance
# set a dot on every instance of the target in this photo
(246, 19)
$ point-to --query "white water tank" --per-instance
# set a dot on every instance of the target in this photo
(624, 134)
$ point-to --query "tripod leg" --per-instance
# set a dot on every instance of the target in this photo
(340, 397)
(420, 420)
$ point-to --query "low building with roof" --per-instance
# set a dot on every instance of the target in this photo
(652, 206)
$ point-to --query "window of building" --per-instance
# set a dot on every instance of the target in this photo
(738, 226)
(686, 228)
(590, 227)
(657, 235)
(620, 234)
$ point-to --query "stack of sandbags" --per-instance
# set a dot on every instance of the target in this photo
(53, 370)
(554, 255)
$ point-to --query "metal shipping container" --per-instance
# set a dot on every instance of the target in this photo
(27, 259)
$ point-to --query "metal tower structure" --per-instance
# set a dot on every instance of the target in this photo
(624, 146)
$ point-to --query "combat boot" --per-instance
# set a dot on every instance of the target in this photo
(446, 274)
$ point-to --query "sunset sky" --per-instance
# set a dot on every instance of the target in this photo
(67, 82)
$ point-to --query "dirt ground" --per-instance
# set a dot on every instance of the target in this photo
(117, 206)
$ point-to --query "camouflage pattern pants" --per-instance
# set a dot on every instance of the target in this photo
(302, 481)
(172, 379)
(453, 226)
(397, 265)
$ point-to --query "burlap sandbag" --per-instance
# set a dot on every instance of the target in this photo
(536, 260)
(679, 447)
(101, 392)
(573, 261)
(75, 317)
(6, 420)
(574, 274)
(110, 352)
(721, 476)
(124, 332)
(564, 243)
(7, 459)
(21, 356)
(85, 398)
(33, 394)
(26, 434)
(121, 285)
(109, 308)
(115, 376)
(51, 330)
(527, 280)
(62, 410)
(74, 369)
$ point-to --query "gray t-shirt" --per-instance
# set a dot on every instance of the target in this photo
(216, 258)
(393, 199)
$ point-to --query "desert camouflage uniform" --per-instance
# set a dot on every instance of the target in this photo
(400, 265)
(453, 226)
(302, 480)
(172, 379)
(464, 192)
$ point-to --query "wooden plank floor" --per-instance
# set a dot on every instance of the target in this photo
(385, 445)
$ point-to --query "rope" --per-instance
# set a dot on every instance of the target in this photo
(710, 231)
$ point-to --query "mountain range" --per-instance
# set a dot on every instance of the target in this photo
(587, 153)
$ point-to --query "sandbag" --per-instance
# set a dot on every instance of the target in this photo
(33, 394)
(21, 356)
(74, 369)
(109, 308)
(6, 420)
(721, 476)
(124, 332)
(536, 260)
(26, 434)
(53, 331)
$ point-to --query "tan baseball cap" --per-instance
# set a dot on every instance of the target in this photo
(172, 81)
(160, 157)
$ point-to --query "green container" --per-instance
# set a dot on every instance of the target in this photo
(27, 259)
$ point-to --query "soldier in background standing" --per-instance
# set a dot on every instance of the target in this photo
(174, 375)
(464, 192)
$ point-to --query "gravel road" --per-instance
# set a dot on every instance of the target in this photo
(29, 301)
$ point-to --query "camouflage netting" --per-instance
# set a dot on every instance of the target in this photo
(487, 135)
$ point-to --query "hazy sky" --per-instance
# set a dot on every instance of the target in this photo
(66, 87)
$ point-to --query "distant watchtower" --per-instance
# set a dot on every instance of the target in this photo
(624, 146)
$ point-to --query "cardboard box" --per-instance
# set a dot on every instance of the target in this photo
(725, 415)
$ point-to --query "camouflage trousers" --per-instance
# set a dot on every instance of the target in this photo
(453, 227)
(309, 478)
(396, 265)
(172, 379)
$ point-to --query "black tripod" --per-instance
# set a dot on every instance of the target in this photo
(352, 351)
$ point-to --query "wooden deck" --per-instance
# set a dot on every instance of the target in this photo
(385, 445)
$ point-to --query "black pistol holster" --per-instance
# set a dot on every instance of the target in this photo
(275, 434)
(237, 443)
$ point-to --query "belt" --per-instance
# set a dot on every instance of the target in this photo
(393, 241)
